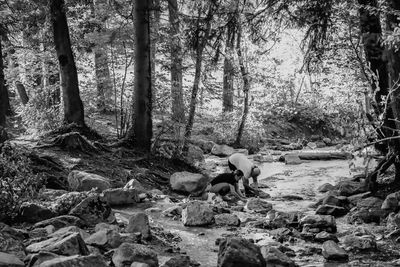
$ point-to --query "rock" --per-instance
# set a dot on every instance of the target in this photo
(354, 242)
(349, 188)
(354, 199)
(10, 260)
(194, 155)
(331, 210)
(391, 202)
(333, 200)
(393, 220)
(139, 222)
(175, 211)
(106, 226)
(66, 202)
(37, 259)
(364, 216)
(135, 184)
(93, 210)
(139, 264)
(321, 222)
(189, 183)
(292, 159)
(370, 203)
(69, 230)
(280, 234)
(51, 194)
(76, 261)
(325, 188)
(205, 146)
(127, 253)
(258, 205)
(325, 236)
(222, 150)
(33, 213)
(84, 181)
(332, 252)
(104, 239)
(60, 222)
(178, 261)
(327, 141)
(71, 244)
(274, 257)
(263, 195)
(121, 196)
(197, 213)
(239, 252)
(227, 220)
(11, 241)
(263, 158)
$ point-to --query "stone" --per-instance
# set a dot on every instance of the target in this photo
(197, 213)
(332, 252)
(139, 264)
(263, 158)
(139, 222)
(84, 181)
(239, 252)
(104, 239)
(194, 155)
(292, 159)
(391, 202)
(92, 211)
(205, 146)
(121, 196)
(178, 261)
(333, 200)
(60, 222)
(69, 230)
(70, 244)
(10, 260)
(325, 188)
(331, 210)
(325, 222)
(349, 188)
(66, 202)
(127, 253)
(327, 141)
(135, 184)
(188, 183)
(358, 243)
(393, 220)
(11, 242)
(33, 213)
(258, 205)
(226, 219)
(222, 150)
(76, 261)
(106, 226)
(175, 211)
(365, 216)
(325, 236)
(37, 259)
(274, 257)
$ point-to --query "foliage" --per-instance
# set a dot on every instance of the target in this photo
(17, 183)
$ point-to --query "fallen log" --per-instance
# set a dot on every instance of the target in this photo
(320, 155)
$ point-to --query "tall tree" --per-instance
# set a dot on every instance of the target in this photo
(3, 88)
(73, 106)
(142, 116)
(178, 108)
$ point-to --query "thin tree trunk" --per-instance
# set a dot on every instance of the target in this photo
(73, 106)
(246, 87)
(142, 117)
(22, 92)
(3, 89)
(178, 107)
(154, 29)
(202, 40)
(227, 93)
(102, 70)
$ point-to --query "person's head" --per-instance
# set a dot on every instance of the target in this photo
(255, 171)
(238, 175)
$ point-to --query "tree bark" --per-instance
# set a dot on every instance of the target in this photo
(154, 31)
(227, 93)
(102, 70)
(3, 89)
(178, 107)
(142, 117)
(246, 87)
(73, 106)
(201, 43)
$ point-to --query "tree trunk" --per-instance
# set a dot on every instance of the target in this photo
(227, 93)
(202, 40)
(73, 106)
(154, 31)
(102, 70)
(246, 87)
(3, 89)
(178, 107)
(22, 92)
(142, 117)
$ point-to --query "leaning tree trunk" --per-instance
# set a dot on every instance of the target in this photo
(178, 107)
(227, 93)
(142, 130)
(3, 89)
(246, 87)
(73, 106)
(202, 40)
(102, 70)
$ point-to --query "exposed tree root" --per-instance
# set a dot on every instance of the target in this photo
(383, 165)
(73, 141)
(83, 130)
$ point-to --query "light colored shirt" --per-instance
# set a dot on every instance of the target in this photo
(242, 163)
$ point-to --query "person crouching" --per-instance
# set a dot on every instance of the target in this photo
(226, 183)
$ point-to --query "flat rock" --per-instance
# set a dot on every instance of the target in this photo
(274, 257)
(325, 188)
(69, 230)
(76, 261)
(84, 181)
(227, 219)
(357, 243)
(60, 222)
(187, 182)
(332, 252)
(92, 211)
(139, 222)
(121, 196)
(222, 150)
(335, 211)
(104, 239)
(292, 159)
(33, 213)
(239, 252)
(10, 260)
(197, 213)
(258, 205)
(127, 253)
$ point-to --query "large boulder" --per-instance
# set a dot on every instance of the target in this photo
(76, 261)
(10, 260)
(197, 213)
(139, 223)
(187, 182)
(93, 210)
(332, 252)
(33, 213)
(127, 253)
(222, 150)
(69, 244)
(239, 252)
(84, 181)
(274, 257)
(357, 243)
(104, 239)
(258, 205)
(121, 196)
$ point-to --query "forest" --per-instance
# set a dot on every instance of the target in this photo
(199, 133)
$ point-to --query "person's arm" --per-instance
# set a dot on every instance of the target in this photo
(235, 193)
(255, 181)
(237, 190)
